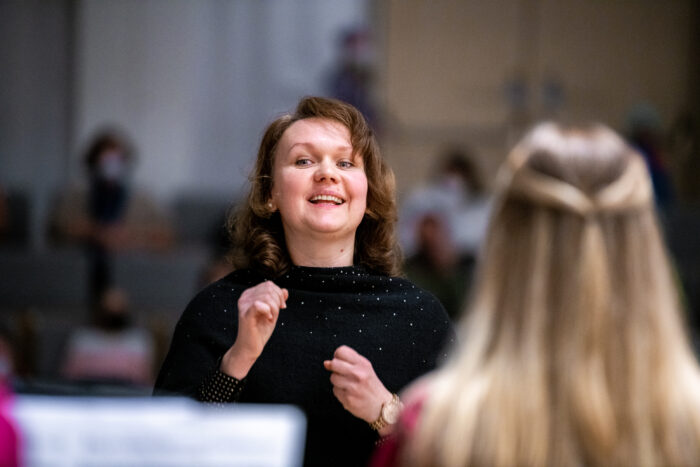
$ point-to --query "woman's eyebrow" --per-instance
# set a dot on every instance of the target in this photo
(342, 147)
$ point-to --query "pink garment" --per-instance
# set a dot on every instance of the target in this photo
(388, 454)
(9, 439)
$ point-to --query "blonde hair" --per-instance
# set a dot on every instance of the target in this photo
(574, 352)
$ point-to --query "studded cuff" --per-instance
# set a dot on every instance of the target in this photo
(220, 388)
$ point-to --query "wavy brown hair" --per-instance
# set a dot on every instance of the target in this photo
(574, 351)
(257, 234)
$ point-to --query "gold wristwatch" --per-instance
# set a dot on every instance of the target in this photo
(389, 413)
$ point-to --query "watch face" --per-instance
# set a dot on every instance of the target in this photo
(391, 412)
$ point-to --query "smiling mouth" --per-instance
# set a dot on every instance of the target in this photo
(327, 199)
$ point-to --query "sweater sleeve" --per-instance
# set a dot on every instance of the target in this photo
(220, 388)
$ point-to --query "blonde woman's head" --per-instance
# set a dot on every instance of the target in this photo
(574, 352)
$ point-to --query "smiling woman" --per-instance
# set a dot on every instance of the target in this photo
(314, 314)
(320, 189)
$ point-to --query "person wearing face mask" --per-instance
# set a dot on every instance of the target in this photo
(109, 215)
(314, 314)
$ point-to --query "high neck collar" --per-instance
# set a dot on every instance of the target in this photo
(323, 271)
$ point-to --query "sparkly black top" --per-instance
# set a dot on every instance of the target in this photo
(402, 330)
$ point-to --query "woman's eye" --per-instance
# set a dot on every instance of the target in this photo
(345, 164)
(303, 162)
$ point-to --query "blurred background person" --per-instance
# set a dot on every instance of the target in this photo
(442, 227)
(646, 136)
(437, 264)
(218, 264)
(458, 193)
(574, 352)
(684, 145)
(352, 78)
(113, 349)
(109, 216)
(7, 353)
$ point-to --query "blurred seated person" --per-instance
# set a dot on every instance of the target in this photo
(457, 191)
(574, 351)
(109, 216)
(7, 353)
(438, 266)
(646, 136)
(112, 350)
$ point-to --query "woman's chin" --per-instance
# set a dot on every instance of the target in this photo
(330, 229)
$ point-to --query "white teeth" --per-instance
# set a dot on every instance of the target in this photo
(333, 199)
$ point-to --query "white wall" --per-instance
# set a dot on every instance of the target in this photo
(194, 83)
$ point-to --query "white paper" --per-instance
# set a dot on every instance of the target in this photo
(80, 431)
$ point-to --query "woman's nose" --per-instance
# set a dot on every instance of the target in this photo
(326, 171)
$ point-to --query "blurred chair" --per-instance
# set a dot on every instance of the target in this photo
(52, 279)
(160, 281)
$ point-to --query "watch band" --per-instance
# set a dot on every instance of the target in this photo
(381, 422)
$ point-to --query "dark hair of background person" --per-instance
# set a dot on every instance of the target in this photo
(461, 162)
(107, 139)
(257, 234)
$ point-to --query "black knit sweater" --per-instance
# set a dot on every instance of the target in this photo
(402, 330)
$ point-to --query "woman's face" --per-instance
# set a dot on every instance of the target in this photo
(318, 185)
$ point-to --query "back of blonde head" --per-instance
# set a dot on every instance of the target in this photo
(574, 352)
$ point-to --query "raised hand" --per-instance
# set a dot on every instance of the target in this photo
(356, 385)
(258, 309)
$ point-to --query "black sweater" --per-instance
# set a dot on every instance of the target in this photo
(402, 330)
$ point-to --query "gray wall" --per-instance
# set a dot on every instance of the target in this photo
(35, 90)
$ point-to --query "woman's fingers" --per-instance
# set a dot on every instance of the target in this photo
(355, 384)
(263, 308)
(338, 366)
(265, 291)
(347, 354)
(276, 293)
(340, 381)
(268, 293)
(340, 394)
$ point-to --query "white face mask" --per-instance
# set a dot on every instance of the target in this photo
(112, 166)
